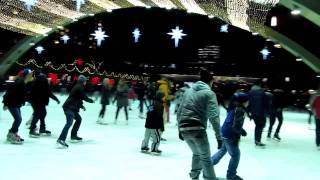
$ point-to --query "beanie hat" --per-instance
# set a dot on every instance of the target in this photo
(82, 78)
(26, 71)
(241, 97)
(205, 76)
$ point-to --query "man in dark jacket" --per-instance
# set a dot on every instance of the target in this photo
(154, 124)
(14, 98)
(39, 99)
(71, 109)
(105, 100)
(198, 104)
(141, 90)
(258, 107)
(277, 105)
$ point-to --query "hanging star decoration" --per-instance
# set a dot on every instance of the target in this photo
(39, 49)
(29, 3)
(79, 3)
(99, 35)
(136, 34)
(224, 28)
(265, 53)
(176, 35)
(65, 39)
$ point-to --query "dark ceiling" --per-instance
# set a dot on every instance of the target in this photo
(239, 49)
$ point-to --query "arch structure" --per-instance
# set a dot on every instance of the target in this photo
(38, 18)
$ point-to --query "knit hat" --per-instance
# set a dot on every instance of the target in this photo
(82, 78)
(241, 97)
(26, 71)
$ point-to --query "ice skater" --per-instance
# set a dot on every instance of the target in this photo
(153, 125)
(122, 99)
(231, 131)
(14, 98)
(105, 100)
(71, 109)
(199, 103)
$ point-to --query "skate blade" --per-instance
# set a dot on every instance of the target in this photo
(59, 146)
(33, 136)
(102, 123)
(76, 141)
(15, 142)
(155, 154)
(45, 134)
(145, 152)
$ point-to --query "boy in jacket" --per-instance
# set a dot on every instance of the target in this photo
(231, 131)
(71, 109)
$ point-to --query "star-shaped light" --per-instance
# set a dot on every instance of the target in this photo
(79, 3)
(176, 35)
(29, 3)
(65, 39)
(224, 28)
(39, 49)
(136, 34)
(265, 53)
(99, 35)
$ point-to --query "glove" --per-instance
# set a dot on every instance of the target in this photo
(219, 143)
(5, 108)
(180, 137)
(90, 101)
(58, 102)
(243, 132)
(84, 109)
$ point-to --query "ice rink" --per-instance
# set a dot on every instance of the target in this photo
(112, 152)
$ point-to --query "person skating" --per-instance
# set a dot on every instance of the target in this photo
(71, 109)
(153, 125)
(315, 105)
(39, 99)
(122, 99)
(141, 89)
(199, 103)
(231, 130)
(105, 100)
(14, 98)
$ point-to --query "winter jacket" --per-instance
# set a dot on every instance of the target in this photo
(164, 87)
(154, 118)
(76, 96)
(16, 95)
(140, 90)
(278, 100)
(41, 92)
(232, 126)
(105, 94)
(258, 104)
(122, 95)
(199, 104)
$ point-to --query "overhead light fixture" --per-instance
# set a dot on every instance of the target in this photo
(211, 16)
(109, 10)
(318, 76)
(255, 33)
(295, 12)
(274, 21)
(148, 7)
(299, 59)
(287, 79)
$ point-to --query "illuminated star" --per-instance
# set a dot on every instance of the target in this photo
(99, 35)
(39, 49)
(176, 35)
(29, 3)
(79, 3)
(265, 53)
(65, 39)
(136, 34)
(224, 28)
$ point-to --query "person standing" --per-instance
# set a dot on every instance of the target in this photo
(105, 100)
(39, 99)
(231, 130)
(258, 107)
(141, 90)
(315, 105)
(153, 125)
(122, 99)
(71, 109)
(14, 98)
(198, 104)
(276, 112)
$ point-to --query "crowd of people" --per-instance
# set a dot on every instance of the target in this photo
(195, 106)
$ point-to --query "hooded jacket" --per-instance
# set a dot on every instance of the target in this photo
(76, 96)
(16, 95)
(199, 104)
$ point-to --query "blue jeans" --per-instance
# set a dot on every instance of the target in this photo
(16, 113)
(199, 145)
(233, 149)
(70, 115)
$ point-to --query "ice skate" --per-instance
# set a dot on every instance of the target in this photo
(45, 133)
(101, 121)
(76, 139)
(34, 134)
(235, 178)
(141, 116)
(145, 150)
(14, 138)
(62, 144)
(276, 137)
(156, 152)
(261, 145)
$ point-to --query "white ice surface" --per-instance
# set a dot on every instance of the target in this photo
(112, 152)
